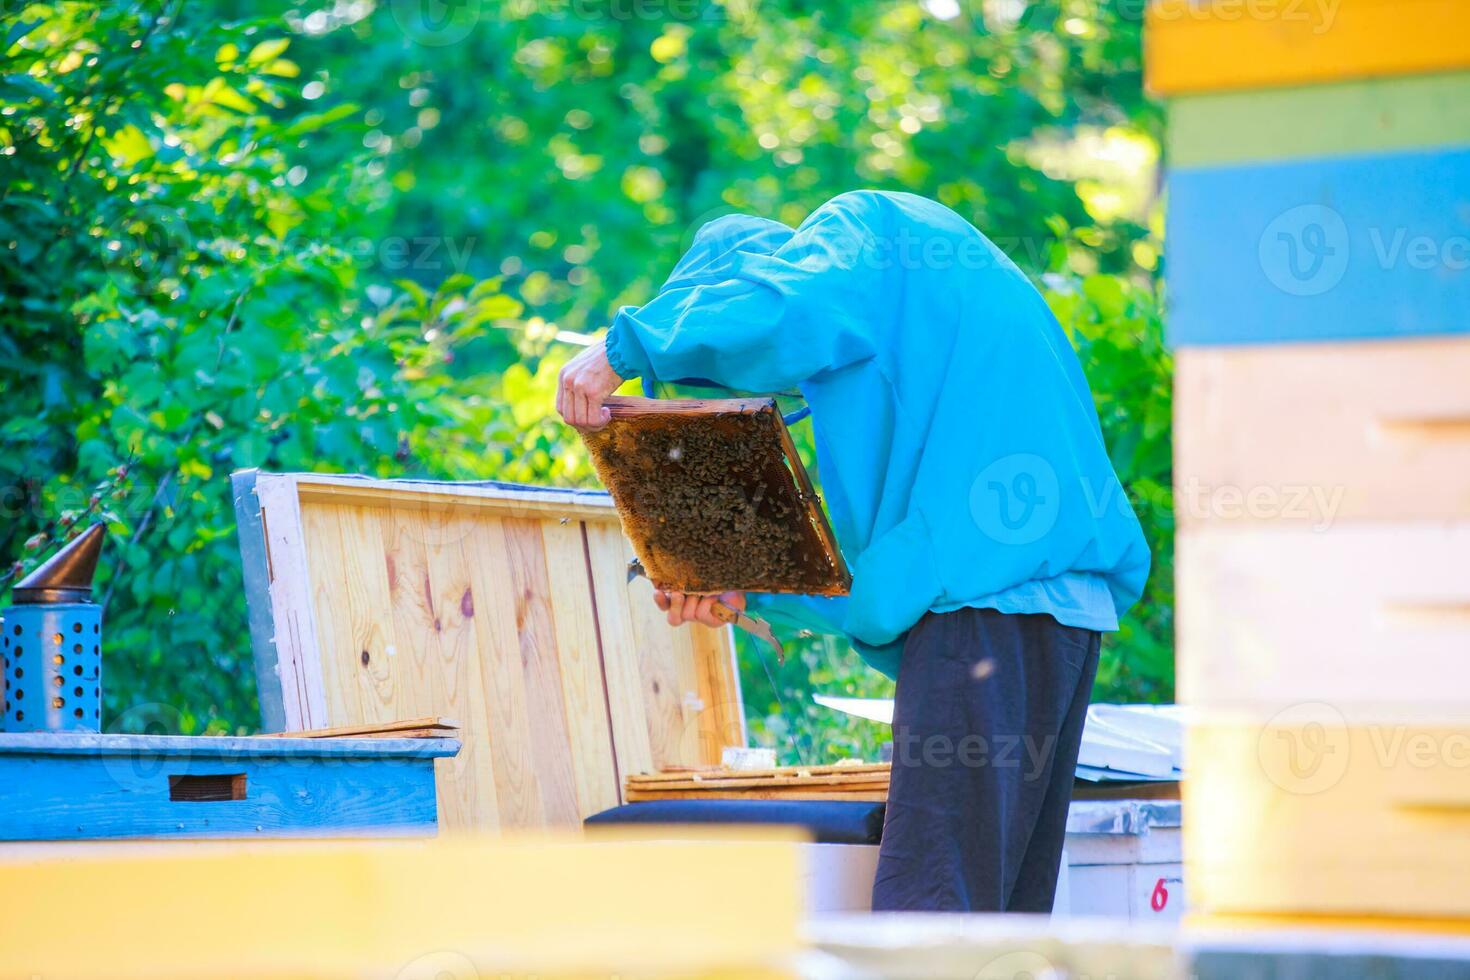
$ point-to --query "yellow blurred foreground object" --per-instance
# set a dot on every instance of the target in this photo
(560, 906)
(1310, 814)
(1241, 44)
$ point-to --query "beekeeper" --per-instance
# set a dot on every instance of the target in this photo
(963, 466)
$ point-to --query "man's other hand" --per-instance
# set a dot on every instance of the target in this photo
(584, 383)
(683, 608)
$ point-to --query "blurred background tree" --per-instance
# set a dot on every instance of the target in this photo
(364, 236)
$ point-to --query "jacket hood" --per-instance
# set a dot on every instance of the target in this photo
(721, 246)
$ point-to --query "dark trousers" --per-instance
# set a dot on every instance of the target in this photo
(986, 726)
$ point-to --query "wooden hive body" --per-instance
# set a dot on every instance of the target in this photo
(1322, 472)
(505, 608)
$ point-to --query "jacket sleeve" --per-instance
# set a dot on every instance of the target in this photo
(757, 321)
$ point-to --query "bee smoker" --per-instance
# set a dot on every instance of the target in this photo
(52, 644)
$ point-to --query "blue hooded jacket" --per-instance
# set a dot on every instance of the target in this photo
(958, 448)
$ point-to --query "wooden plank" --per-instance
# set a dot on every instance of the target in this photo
(831, 796)
(1246, 44)
(407, 647)
(507, 707)
(256, 578)
(667, 709)
(608, 554)
(671, 701)
(339, 606)
(578, 645)
(1305, 815)
(805, 794)
(1358, 615)
(631, 407)
(729, 905)
(415, 606)
(1408, 937)
(551, 746)
(429, 727)
(862, 769)
(816, 784)
(1350, 248)
(304, 696)
(467, 794)
(811, 504)
(1348, 118)
(369, 658)
(506, 500)
(1316, 434)
(217, 747)
(437, 646)
(288, 793)
(722, 723)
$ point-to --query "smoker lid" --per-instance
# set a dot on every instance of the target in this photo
(67, 575)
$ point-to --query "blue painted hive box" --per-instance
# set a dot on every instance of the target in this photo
(75, 786)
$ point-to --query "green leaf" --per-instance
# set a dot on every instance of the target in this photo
(267, 51)
(128, 146)
(312, 122)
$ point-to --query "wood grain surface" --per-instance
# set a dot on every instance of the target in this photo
(521, 625)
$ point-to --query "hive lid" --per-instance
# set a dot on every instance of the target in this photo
(67, 575)
(714, 498)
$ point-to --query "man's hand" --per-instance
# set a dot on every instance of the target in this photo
(583, 384)
(696, 608)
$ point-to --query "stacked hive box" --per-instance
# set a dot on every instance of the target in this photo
(1319, 285)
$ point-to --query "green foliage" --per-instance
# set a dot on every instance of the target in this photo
(350, 237)
(208, 319)
(576, 145)
(1119, 337)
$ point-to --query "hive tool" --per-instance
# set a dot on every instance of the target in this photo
(727, 613)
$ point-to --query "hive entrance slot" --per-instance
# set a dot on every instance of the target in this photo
(206, 789)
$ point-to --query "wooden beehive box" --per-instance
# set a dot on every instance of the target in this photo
(506, 608)
(714, 497)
